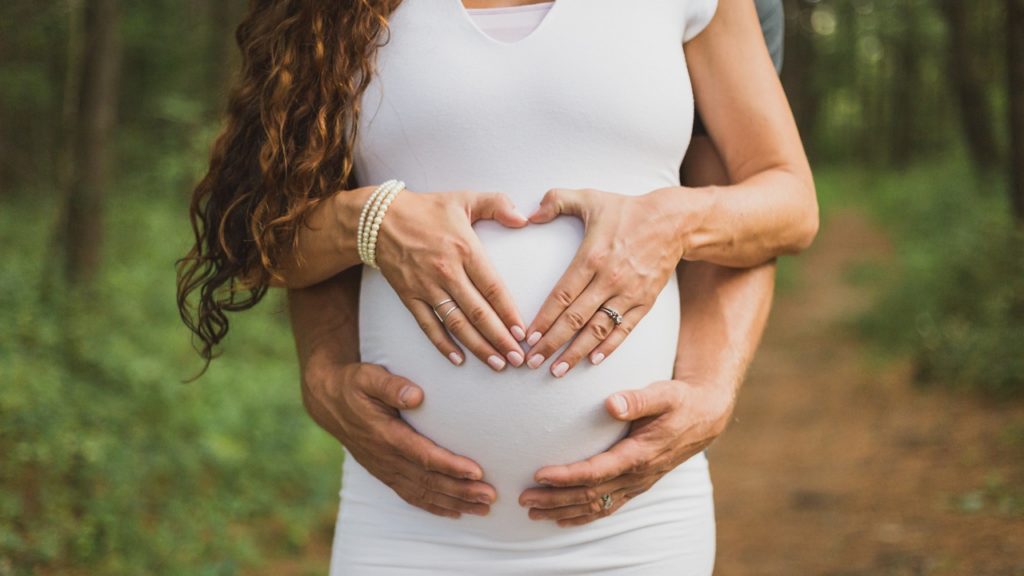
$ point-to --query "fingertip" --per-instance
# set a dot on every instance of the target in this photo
(410, 396)
(618, 406)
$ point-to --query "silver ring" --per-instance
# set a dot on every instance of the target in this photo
(442, 303)
(606, 502)
(615, 316)
(448, 313)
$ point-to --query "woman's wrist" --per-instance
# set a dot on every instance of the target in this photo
(346, 207)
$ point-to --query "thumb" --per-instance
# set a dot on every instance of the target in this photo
(496, 206)
(558, 201)
(394, 391)
(654, 400)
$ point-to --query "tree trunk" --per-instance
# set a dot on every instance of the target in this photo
(96, 113)
(798, 71)
(1015, 64)
(905, 82)
(969, 84)
(223, 55)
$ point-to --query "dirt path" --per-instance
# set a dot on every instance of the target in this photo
(839, 467)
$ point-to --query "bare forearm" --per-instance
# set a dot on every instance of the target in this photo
(771, 214)
(327, 241)
(325, 325)
(724, 310)
(723, 315)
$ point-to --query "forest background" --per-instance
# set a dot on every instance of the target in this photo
(912, 112)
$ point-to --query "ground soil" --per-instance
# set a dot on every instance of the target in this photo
(836, 464)
(839, 466)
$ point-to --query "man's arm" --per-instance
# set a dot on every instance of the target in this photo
(722, 316)
(358, 404)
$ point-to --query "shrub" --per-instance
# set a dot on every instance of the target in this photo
(955, 301)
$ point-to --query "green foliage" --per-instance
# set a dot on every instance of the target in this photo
(955, 301)
(113, 465)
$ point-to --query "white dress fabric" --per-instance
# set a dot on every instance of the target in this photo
(597, 95)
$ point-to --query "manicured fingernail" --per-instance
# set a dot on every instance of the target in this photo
(534, 338)
(496, 362)
(455, 358)
(403, 396)
(560, 369)
(474, 475)
(515, 358)
(535, 360)
(518, 333)
(528, 504)
(620, 405)
(544, 480)
(596, 358)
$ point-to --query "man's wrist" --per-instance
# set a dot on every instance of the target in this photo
(715, 398)
(687, 210)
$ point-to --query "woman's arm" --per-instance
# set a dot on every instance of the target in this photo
(429, 253)
(632, 244)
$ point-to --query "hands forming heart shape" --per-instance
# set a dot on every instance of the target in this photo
(435, 262)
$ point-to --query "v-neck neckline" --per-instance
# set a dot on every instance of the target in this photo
(536, 32)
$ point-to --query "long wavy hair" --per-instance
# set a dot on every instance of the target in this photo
(291, 123)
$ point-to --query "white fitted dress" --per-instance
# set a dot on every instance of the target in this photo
(596, 96)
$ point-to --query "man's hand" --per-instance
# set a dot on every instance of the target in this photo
(671, 421)
(359, 403)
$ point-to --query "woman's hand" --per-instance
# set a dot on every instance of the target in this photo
(631, 246)
(671, 422)
(430, 254)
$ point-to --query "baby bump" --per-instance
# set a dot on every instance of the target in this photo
(518, 420)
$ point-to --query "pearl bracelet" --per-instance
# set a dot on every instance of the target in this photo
(371, 218)
(360, 234)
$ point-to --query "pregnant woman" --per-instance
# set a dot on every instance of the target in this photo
(582, 123)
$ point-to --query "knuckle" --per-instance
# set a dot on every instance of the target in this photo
(636, 465)
(595, 259)
(491, 290)
(422, 494)
(590, 494)
(426, 462)
(600, 330)
(575, 320)
(595, 507)
(562, 297)
(442, 268)
(616, 279)
(477, 314)
(456, 322)
(428, 480)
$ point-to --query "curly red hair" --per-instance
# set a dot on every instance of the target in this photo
(286, 145)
